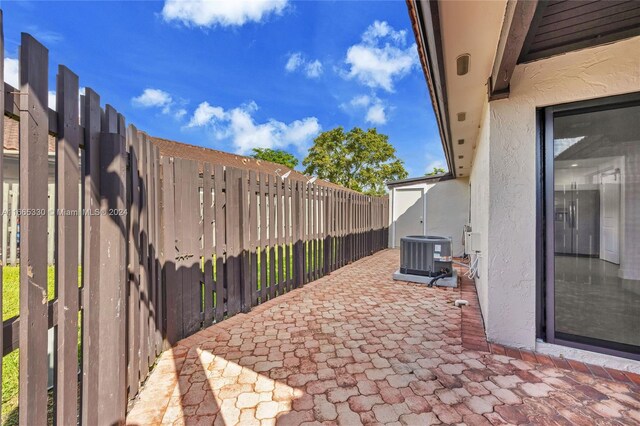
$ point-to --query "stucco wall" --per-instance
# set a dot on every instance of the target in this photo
(479, 182)
(591, 73)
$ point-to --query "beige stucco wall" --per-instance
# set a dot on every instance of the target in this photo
(479, 183)
(504, 172)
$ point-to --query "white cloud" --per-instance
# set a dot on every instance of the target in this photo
(11, 69)
(294, 62)
(376, 114)
(205, 114)
(361, 101)
(156, 98)
(180, 113)
(239, 126)
(381, 58)
(382, 29)
(297, 61)
(313, 69)
(375, 109)
(225, 13)
(152, 98)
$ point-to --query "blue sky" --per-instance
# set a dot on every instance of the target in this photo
(234, 75)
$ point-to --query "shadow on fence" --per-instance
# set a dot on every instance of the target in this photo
(169, 247)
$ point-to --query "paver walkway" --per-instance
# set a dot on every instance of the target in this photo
(357, 347)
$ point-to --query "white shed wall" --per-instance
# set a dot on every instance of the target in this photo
(445, 210)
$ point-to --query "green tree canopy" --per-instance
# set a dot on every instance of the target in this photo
(436, 171)
(275, 156)
(358, 159)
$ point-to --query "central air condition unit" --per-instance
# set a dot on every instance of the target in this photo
(426, 259)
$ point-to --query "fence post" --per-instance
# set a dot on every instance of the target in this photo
(34, 127)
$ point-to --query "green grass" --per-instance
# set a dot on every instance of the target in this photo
(10, 363)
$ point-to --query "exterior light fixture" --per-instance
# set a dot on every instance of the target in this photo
(574, 165)
(462, 64)
(462, 116)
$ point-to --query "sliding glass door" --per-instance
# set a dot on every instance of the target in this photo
(592, 217)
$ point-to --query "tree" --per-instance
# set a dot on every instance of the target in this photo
(358, 159)
(436, 171)
(275, 156)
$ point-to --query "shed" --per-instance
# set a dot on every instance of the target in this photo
(429, 205)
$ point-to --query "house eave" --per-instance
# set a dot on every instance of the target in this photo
(425, 22)
(419, 180)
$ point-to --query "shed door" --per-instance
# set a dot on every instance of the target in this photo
(409, 210)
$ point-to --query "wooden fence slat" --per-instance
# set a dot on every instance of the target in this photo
(263, 237)
(244, 228)
(193, 300)
(253, 237)
(311, 247)
(3, 189)
(150, 249)
(91, 266)
(300, 252)
(207, 242)
(144, 258)
(133, 332)
(33, 243)
(111, 408)
(306, 237)
(66, 271)
(220, 230)
(234, 292)
(280, 233)
(272, 227)
(155, 157)
(294, 234)
(287, 234)
(168, 253)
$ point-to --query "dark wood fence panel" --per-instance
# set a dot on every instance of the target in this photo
(164, 247)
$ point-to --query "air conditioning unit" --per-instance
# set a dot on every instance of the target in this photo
(426, 259)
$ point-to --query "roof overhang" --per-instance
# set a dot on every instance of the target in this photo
(446, 31)
(418, 180)
(497, 35)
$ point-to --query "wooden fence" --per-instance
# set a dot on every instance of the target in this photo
(168, 246)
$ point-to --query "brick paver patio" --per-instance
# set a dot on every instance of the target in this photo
(357, 347)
